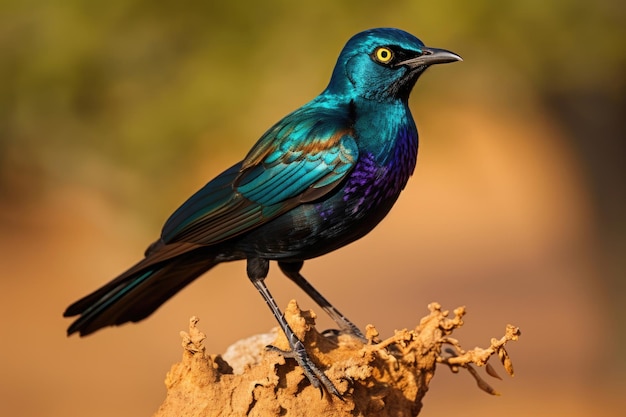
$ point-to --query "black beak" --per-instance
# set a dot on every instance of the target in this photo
(431, 56)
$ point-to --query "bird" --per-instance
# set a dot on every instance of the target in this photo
(320, 178)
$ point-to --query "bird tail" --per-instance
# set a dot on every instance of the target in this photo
(137, 293)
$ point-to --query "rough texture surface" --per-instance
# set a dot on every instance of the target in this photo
(381, 378)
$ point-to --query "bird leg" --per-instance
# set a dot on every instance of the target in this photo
(292, 271)
(257, 269)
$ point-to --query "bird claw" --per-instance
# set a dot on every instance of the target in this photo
(354, 331)
(333, 334)
(316, 376)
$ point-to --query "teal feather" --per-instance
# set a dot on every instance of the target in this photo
(320, 178)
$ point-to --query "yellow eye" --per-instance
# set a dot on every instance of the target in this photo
(383, 55)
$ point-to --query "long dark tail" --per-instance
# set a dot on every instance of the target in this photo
(138, 292)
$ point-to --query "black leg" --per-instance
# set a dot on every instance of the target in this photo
(257, 271)
(292, 270)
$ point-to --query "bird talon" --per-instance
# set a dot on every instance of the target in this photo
(316, 376)
(333, 335)
(285, 353)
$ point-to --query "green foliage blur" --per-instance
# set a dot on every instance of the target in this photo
(145, 86)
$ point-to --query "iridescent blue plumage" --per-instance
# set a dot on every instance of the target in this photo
(320, 178)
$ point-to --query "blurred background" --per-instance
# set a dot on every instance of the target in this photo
(113, 113)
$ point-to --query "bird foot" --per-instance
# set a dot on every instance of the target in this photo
(354, 331)
(333, 334)
(315, 375)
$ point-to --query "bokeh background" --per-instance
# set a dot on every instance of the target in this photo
(112, 113)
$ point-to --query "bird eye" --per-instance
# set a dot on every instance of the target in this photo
(383, 55)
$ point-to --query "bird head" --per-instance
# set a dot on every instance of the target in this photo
(383, 65)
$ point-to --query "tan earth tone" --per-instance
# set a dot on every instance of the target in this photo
(381, 378)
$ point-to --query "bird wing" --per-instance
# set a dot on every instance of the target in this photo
(299, 160)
